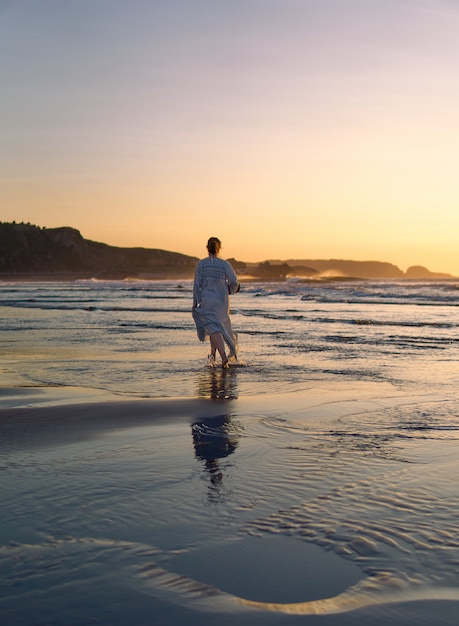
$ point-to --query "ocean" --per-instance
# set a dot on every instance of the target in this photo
(316, 478)
(139, 338)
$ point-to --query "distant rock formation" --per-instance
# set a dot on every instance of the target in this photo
(28, 249)
(341, 268)
(275, 271)
(418, 271)
(240, 267)
(353, 269)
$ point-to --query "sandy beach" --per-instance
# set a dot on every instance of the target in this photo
(313, 483)
(228, 511)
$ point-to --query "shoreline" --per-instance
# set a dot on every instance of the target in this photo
(47, 416)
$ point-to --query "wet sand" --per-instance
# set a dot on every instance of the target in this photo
(253, 510)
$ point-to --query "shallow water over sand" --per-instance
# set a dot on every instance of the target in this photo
(138, 338)
(318, 481)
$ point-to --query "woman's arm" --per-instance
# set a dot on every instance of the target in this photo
(233, 285)
(197, 287)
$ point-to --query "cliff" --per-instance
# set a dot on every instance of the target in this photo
(356, 269)
(27, 249)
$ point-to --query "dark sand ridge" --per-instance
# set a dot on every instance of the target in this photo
(52, 425)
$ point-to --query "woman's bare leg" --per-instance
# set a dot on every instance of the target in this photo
(217, 343)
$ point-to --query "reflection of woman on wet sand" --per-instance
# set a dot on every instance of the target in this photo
(214, 280)
(216, 383)
(213, 439)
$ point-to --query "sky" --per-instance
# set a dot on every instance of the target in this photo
(290, 129)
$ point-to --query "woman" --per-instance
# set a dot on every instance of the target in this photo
(214, 280)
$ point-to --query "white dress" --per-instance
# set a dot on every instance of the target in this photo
(214, 280)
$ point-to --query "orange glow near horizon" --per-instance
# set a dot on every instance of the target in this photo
(298, 132)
